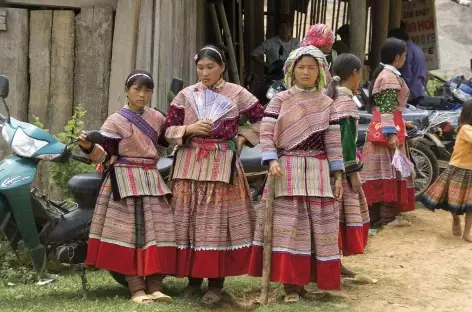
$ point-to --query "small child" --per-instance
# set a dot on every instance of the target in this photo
(452, 191)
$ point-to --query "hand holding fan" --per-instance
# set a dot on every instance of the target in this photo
(210, 106)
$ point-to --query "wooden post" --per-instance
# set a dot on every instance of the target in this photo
(271, 20)
(145, 31)
(268, 227)
(379, 30)
(166, 53)
(40, 65)
(217, 32)
(357, 32)
(123, 53)
(233, 66)
(155, 55)
(94, 31)
(242, 65)
(179, 42)
(395, 17)
(62, 70)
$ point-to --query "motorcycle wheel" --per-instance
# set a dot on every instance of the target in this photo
(119, 278)
(427, 165)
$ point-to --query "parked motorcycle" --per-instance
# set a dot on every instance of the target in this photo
(451, 94)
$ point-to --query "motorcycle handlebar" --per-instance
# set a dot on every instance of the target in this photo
(82, 159)
(438, 78)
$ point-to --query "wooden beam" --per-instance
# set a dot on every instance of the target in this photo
(166, 57)
(395, 17)
(62, 70)
(145, 36)
(94, 31)
(379, 29)
(123, 53)
(73, 4)
(40, 65)
(357, 31)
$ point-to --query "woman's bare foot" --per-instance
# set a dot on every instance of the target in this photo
(346, 272)
(456, 226)
(191, 291)
(467, 238)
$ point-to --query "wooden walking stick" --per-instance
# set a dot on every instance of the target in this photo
(267, 241)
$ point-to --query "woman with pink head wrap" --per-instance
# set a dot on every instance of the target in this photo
(320, 36)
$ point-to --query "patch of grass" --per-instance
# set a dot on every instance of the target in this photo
(105, 295)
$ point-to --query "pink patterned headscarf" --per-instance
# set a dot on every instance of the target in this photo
(319, 35)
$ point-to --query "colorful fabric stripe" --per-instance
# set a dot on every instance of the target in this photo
(452, 191)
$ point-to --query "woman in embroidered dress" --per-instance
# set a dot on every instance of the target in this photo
(132, 229)
(321, 36)
(387, 192)
(212, 205)
(354, 212)
(301, 143)
(452, 191)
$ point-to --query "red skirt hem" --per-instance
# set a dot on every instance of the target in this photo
(131, 261)
(390, 191)
(352, 240)
(298, 269)
(212, 263)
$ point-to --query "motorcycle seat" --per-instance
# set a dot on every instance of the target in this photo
(85, 183)
(251, 159)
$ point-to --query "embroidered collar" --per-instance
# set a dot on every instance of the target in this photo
(141, 111)
(345, 91)
(217, 86)
(307, 89)
(391, 68)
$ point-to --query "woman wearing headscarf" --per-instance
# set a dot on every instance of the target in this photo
(321, 36)
(301, 142)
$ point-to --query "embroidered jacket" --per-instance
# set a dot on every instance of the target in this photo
(301, 130)
(213, 158)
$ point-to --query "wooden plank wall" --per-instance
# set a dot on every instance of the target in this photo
(69, 64)
(168, 34)
(14, 49)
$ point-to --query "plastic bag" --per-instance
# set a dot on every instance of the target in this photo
(402, 164)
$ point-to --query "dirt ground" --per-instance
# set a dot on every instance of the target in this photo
(419, 268)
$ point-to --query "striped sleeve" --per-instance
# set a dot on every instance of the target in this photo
(271, 114)
(174, 127)
(332, 142)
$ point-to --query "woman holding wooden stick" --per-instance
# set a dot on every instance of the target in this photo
(301, 142)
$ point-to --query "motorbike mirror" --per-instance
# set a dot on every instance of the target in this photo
(176, 85)
(4, 86)
(281, 50)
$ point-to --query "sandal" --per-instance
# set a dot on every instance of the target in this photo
(141, 297)
(211, 297)
(293, 297)
(160, 297)
(399, 223)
